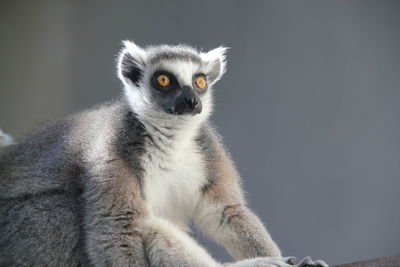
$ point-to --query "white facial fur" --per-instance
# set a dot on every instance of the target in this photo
(139, 95)
(173, 163)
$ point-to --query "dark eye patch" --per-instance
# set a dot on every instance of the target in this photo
(173, 82)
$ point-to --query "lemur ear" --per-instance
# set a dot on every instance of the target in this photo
(131, 63)
(215, 63)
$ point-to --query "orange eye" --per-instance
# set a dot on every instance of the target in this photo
(201, 82)
(163, 80)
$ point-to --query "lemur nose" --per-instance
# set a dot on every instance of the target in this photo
(187, 102)
(191, 101)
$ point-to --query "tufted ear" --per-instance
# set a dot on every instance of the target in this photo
(215, 63)
(131, 63)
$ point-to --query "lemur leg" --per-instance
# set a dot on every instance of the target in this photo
(167, 245)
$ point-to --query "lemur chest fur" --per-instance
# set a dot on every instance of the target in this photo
(173, 180)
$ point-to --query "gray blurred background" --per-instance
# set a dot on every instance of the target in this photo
(309, 107)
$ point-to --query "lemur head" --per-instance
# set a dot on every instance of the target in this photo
(171, 82)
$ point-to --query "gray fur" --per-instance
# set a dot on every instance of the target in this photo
(73, 193)
(167, 52)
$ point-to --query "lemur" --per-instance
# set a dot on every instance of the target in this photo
(118, 184)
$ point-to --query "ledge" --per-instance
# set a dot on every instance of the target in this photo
(391, 261)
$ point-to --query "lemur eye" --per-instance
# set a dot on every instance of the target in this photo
(162, 80)
(201, 82)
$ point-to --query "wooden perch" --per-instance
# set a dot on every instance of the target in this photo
(393, 261)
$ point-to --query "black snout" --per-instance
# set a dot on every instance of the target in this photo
(187, 102)
(191, 102)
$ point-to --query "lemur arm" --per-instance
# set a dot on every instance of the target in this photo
(222, 212)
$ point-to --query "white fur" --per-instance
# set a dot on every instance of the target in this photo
(5, 139)
(136, 96)
(173, 181)
(210, 57)
(174, 170)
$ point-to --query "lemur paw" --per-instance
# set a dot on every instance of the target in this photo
(307, 262)
(266, 262)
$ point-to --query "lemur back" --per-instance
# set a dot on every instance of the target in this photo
(117, 185)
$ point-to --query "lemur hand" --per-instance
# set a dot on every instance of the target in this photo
(308, 262)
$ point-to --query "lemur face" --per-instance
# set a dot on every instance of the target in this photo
(173, 80)
(178, 87)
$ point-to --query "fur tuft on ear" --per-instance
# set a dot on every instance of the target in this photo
(131, 63)
(215, 63)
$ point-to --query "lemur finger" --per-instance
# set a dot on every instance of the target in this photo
(290, 260)
(306, 262)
